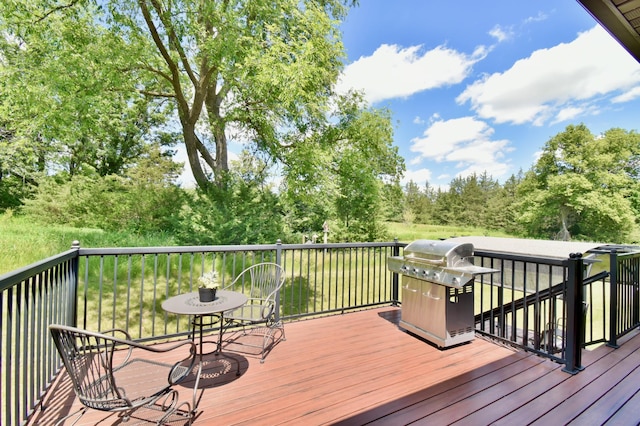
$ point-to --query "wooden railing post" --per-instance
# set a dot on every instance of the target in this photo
(575, 315)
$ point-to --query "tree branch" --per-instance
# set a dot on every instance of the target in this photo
(158, 72)
(157, 94)
(56, 9)
(173, 67)
(204, 152)
(174, 41)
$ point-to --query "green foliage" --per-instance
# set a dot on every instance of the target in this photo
(419, 202)
(348, 175)
(12, 191)
(263, 69)
(472, 201)
(68, 95)
(143, 202)
(582, 186)
(86, 88)
(243, 211)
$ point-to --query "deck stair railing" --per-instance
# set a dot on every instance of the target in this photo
(526, 303)
(624, 312)
(548, 306)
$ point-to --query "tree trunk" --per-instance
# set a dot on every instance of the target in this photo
(191, 144)
(217, 125)
(564, 234)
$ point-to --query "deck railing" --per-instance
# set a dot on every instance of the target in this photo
(522, 303)
(124, 288)
(624, 313)
(549, 306)
(32, 298)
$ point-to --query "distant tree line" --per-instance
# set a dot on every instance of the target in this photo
(475, 200)
(582, 187)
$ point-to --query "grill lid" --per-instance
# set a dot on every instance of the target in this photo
(442, 253)
(443, 262)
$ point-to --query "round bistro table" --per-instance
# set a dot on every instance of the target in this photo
(190, 304)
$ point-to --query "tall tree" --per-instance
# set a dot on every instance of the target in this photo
(66, 92)
(256, 71)
(501, 213)
(350, 172)
(582, 186)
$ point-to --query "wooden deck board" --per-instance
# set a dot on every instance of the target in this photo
(609, 392)
(360, 368)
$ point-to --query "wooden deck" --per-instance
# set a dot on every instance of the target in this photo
(360, 368)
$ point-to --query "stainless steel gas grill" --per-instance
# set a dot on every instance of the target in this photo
(437, 290)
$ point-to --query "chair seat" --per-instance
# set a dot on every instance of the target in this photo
(248, 313)
(141, 380)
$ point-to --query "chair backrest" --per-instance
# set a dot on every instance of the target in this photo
(88, 359)
(265, 280)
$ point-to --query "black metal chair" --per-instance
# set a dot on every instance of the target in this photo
(113, 374)
(262, 283)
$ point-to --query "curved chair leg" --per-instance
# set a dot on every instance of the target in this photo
(79, 412)
(270, 337)
(170, 407)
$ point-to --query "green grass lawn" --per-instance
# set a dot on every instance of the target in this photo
(23, 242)
(410, 232)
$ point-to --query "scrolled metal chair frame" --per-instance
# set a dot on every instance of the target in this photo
(100, 364)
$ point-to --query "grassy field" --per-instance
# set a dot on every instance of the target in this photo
(410, 232)
(23, 242)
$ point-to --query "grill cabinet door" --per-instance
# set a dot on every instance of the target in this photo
(411, 295)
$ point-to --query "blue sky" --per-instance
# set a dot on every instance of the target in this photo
(478, 86)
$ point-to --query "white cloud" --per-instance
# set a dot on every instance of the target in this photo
(627, 96)
(444, 136)
(415, 160)
(539, 88)
(567, 113)
(396, 72)
(466, 144)
(500, 33)
(420, 177)
(481, 156)
(539, 17)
